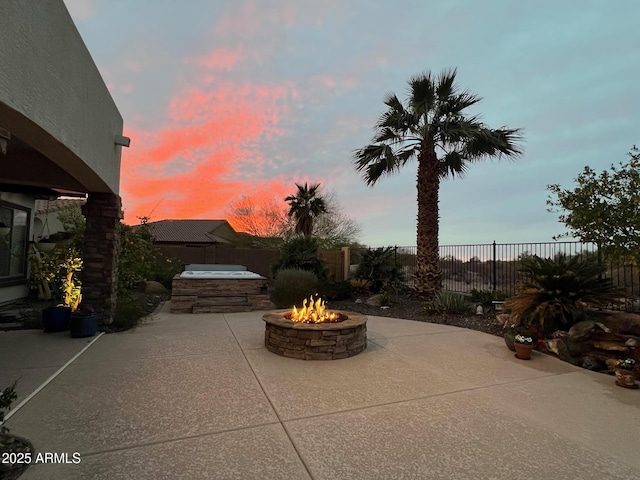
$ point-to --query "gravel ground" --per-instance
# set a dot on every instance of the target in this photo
(413, 309)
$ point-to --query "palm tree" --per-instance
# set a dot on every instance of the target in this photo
(305, 206)
(432, 127)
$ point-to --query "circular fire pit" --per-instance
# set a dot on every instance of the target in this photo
(315, 341)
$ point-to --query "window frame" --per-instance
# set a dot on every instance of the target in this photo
(23, 277)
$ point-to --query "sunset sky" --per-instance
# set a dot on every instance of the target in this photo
(234, 97)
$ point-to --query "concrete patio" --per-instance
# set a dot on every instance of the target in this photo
(199, 396)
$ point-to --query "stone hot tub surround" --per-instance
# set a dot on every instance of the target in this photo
(315, 341)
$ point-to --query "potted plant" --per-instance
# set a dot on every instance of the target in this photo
(623, 369)
(56, 318)
(45, 244)
(84, 322)
(524, 338)
(12, 447)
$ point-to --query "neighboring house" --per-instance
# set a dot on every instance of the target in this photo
(60, 135)
(211, 241)
(193, 232)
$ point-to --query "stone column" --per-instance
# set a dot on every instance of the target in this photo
(103, 212)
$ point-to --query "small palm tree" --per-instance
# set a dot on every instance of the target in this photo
(304, 206)
(433, 128)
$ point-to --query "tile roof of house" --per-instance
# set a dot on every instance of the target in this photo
(187, 231)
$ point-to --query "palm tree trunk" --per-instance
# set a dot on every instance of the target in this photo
(428, 275)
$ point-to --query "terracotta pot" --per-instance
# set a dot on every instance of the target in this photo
(523, 352)
(624, 378)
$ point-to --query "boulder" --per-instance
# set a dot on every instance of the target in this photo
(154, 287)
(375, 300)
(558, 347)
(611, 347)
(591, 363)
(582, 330)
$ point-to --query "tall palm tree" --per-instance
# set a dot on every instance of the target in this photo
(433, 128)
(304, 206)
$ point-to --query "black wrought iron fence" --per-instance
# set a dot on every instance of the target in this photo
(494, 266)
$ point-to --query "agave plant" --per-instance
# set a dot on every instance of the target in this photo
(555, 291)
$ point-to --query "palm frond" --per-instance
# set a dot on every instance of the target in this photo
(422, 94)
(452, 164)
(445, 84)
(500, 142)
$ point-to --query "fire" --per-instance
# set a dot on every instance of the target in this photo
(313, 313)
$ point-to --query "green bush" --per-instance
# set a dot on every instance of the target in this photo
(301, 253)
(379, 267)
(448, 302)
(128, 313)
(292, 286)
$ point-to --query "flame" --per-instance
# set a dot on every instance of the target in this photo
(313, 313)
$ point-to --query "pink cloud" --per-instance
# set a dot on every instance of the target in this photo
(191, 168)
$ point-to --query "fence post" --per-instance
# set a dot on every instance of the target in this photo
(495, 267)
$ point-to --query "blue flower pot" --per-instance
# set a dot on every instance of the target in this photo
(56, 319)
(83, 325)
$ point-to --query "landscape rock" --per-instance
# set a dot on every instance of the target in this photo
(591, 363)
(375, 300)
(152, 286)
(582, 330)
(558, 347)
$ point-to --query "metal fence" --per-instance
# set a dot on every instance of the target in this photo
(494, 266)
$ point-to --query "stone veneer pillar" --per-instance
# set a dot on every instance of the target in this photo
(103, 212)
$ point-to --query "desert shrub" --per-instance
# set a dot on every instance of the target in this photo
(292, 286)
(448, 302)
(379, 267)
(301, 253)
(555, 291)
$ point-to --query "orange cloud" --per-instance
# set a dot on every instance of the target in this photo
(191, 168)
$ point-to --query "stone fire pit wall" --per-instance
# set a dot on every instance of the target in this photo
(315, 341)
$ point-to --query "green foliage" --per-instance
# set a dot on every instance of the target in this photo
(7, 397)
(129, 311)
(448, 302)
(140, 260)
(301, 253)
(304, 206)
(379, 267)
(555, 291)
(136, 252)
(55, 271)
(604, 208)
(292, 286)
(485, 297)
(74, 224)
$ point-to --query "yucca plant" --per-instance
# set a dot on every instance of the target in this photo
(555, 291)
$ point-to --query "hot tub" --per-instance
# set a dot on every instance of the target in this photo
(220, 274)
(219, 291)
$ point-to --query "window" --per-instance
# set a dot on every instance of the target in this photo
(13, 245)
